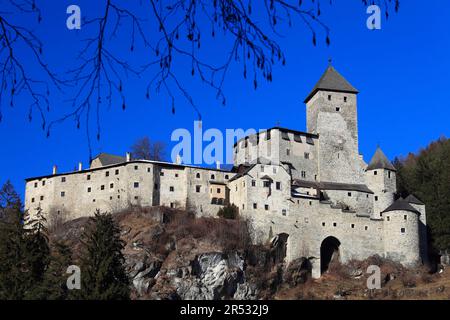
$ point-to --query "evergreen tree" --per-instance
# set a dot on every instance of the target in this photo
(103, 275)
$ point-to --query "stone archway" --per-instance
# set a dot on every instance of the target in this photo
(329, 251)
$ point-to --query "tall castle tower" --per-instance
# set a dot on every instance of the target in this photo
(332, 114)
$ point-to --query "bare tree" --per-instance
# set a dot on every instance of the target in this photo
(184, 27)
(145, 149)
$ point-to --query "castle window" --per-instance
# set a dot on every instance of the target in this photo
(376, 198)
(303, 174)
(161, 173)
(149, 169)
(102, 187)
(266, 207)
(197, 189)
(89, 189)
(243, 206)
(42, 198)
(32, 200)
(334, 224)
(136, 184)
(389, 174)
(388, 218)
(345, 99)
(107, 174)
(353, 226)
(176, 175)
(93, 200)
(110, 198)
(172, 205)
(218, 190)
(306, 155)
(375, 173)
(156, 186)
(63, 194)
(338, 109)
(329, 97)
(288, 152)
(197, 175)
(310, 203)
(245, 143)
(35, 184)
(315, 177)
(63, 179)
(213, 177)
(136, 167)
(255, 206)
(323, 224)
(262, 168)
(402, 230)
(278, 185)
(349, 194)
(118, 197)
(283, 212)
(253, 183)
(226, 177)
(111, 185)
(266, 184)
(136, 197)
(285, 136)
(366, 228)
(88, 177)
(43, 183)
(117, 172)
(405, 217)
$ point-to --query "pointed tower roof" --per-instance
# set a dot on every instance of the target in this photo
(412, 199)
(380, 161)
(401, 205)
(331, 80)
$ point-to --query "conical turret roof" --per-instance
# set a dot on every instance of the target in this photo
(380, 161)
(401, 205)
(331, 80)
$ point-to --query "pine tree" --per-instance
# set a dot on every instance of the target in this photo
(103, 275)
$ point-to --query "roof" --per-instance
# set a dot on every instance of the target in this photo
(243, 170)
(159, 163)
(331, 80)
(332, 186)
(401, 205)
(107, 159)
(295, 132)
(380, 161)
(412, 199)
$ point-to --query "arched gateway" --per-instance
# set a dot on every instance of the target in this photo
(329, 251)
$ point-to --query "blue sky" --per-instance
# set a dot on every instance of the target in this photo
(402, 72)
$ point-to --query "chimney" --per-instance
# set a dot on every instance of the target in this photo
(218, 165)
(55, 169)
(178, 160)
(80, 166)
(128, 157)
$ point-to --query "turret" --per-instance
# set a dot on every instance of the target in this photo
(420, 206)
(332, 114)
(401, 233)
(381, 179)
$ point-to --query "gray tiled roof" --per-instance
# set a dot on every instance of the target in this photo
(331, 80)
(380, 161)
(401, 205)
(107, 159)
(412, 199)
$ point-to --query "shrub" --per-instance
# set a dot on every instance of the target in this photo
(229, 212)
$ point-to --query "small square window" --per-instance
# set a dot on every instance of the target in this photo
(197, 189)
(376, 198)
(197, 175)
(110, 198)
(218, 190)
(149, 170)
(402, 230)
(107, 174)
(118, 197)
(266, 207)
(88, 177)
(93, 200)
(266, 184)
(136, 167)
(35, 184)
(303, 174)
(278, 185)
(89, 189)
(117, 172)
(136, 197)
(253, 183)
(42, 198)
(310, 203)
(388, 218)
(345, 99)
(213, 177)
(63, 194)
(323, 224)
(161, 173)
(172, 205)
(111, 185)
(288, 152)
(283, 212)
(306, 155)
(375, 173)
(405, 217)
(32, 200)
(349, 194)
(329, 97)
(102, 187)
(43, 183)
(353, 226)
(63, 179)
(334, 224)
(366, 228)
(255, 206)
(172, 189)
(226, 177)
(136, 184)
(176, 175)
(338, 109)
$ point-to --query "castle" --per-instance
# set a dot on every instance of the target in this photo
(313, 188)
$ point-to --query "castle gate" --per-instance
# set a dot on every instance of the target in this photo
(329, 251)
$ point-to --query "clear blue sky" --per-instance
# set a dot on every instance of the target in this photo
(402, 72)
